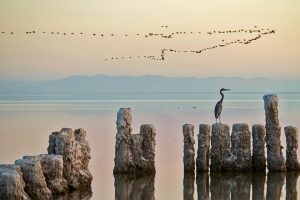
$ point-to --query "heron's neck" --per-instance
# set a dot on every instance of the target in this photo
(222, 96)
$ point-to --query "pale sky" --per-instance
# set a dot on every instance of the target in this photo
(38, 56)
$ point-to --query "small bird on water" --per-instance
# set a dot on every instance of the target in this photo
(219, 106)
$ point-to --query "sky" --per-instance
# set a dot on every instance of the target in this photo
(44, 56)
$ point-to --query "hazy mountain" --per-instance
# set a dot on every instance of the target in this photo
(148, 84)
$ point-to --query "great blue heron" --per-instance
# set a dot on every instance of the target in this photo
(219, 106)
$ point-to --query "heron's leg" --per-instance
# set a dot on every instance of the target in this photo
(220, 119)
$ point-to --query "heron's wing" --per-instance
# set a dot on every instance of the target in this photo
(218, 109)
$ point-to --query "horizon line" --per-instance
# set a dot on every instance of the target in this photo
(150, 75)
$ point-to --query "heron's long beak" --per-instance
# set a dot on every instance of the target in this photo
(226, 89)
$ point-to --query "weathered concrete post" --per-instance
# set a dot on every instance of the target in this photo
(258, 155)
(43, 177)
(189, 151)
(241, 148)
(148, 133)
(34, 178)
(220, 146)
(291, 134)
(274, 149)
(75, 151)
(11, 183)
(134, 153)
(123, 157)
(202, 161)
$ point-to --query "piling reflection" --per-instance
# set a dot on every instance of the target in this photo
(225, 186)
(258, 185)
(188, 186)
(291, 185)
(220, 186)
(275, 182)
(240, 186)
(203, 186)
(134, 187)
(214, 186)
(82, 194)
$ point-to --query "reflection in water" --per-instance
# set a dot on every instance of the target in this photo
(291, 185)
(188, 186)
(274, 185)
(258, 185)
(83, 194)
(240, 186)
(203, 186)
(134, 188)
(220, 186)
(235, 186)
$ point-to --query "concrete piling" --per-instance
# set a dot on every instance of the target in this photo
(258, 141)
(291, 134)
(220, 147)
(134, 153)
(241, 148)
(275, 158)
(189, 151)
(202, 161)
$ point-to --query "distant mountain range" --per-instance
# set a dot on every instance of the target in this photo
(148, 84)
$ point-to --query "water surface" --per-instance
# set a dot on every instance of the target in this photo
(27, 121)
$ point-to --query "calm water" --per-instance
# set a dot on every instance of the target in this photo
(27, 120)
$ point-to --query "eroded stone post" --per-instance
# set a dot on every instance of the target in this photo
(274, 149)
(220, 146)
(134, 153)
(36, 186)
(189, 151)
(291, 134)
(53, 166)
(202, 161)
(241, 147)
(258, 140)
(123, 157)
(11, 183)
(148, 133)
(75, 151)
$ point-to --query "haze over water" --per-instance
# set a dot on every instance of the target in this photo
(26, 125)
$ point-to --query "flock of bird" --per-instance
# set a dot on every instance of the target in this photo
(260, 32)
